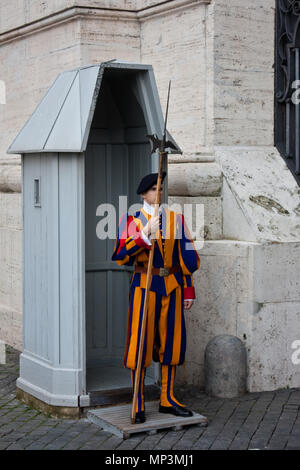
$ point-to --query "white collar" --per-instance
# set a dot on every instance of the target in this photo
(150, 209)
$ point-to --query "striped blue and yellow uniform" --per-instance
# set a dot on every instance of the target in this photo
(165, 338)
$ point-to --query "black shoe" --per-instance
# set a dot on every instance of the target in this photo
(175, 410)
(140, 417)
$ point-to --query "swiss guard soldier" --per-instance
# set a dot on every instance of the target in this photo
(171, 290)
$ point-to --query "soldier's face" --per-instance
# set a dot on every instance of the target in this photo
(149, 196)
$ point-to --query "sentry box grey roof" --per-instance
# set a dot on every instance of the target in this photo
(61, 122)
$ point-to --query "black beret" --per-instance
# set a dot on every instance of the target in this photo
(148, 181)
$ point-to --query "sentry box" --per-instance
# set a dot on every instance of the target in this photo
(83, 147)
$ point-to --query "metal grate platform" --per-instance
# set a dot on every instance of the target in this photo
(117, 420)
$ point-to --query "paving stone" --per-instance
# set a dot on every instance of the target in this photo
(169, 440)
(151, 442)
(132, 443)
(277, 444)
(73, 444)
(190, 436)
(241, 443)
(221, 444)
(203, 444)
(111, 443)
(260, 420)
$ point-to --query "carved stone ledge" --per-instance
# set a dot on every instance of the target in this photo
(165, 7)
(192, 157)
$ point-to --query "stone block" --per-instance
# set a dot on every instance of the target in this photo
(195, 179)
(225, 367)
(202, 214)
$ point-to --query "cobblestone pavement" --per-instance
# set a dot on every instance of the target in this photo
(266, 420)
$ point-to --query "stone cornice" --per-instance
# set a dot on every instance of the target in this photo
(165, 7)
(10, 169)
(73, 13)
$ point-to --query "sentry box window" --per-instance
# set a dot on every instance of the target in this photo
(37, 193)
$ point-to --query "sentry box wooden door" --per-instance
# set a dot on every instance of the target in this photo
(118, 154)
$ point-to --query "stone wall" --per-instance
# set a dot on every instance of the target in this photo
(40, 39)
(244, 72)
(220, 57)
(177, 43)
(11, 268)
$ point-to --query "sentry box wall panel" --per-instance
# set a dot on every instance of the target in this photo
(84, 146)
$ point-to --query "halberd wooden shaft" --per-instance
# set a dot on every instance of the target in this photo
(145, 309)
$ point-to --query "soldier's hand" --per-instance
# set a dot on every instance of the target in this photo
(152, 226)
(188, 304)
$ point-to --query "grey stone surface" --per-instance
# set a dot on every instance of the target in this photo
(260, 420)
(2, 352)
(225, 367)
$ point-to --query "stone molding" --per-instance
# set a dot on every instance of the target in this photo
(165, 7)
(73, 13)
(204, 166)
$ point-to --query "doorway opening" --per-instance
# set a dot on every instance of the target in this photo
(118, 155)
